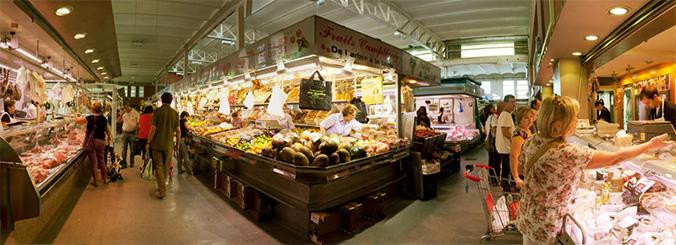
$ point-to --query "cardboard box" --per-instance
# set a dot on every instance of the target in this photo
(244, 196)
(351, 218)
(322, 223)
(261, 207)
(374, 206)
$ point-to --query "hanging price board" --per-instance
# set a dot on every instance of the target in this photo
(372, 90)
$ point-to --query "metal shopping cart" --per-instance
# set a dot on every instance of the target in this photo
(500, 199)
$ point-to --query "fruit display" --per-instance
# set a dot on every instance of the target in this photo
(41, 161)
(211, 129)
(293, 95)
(423, 132)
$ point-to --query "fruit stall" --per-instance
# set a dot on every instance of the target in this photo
(42, 167)
(452, 108)
(301, 177)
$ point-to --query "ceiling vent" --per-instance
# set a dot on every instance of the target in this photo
(137, 43)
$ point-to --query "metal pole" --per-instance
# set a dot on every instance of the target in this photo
(240, 27)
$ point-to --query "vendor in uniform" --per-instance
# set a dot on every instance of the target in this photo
(8, 115)
(665, 110)
(341, 123)
(602, 112)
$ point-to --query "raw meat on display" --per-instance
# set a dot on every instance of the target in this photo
(41, 159)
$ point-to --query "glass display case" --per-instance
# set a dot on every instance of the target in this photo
(633, 202)
(35, 161)
(452, 109)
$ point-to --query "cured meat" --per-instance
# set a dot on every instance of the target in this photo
(60, 157)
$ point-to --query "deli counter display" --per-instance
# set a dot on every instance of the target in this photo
(42, 166)
(452, 109)
(633, 202)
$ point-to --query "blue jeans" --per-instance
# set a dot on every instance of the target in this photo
(128, 139)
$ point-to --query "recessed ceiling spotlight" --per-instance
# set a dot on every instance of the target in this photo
(105, 77)
(591, 38)
(577, 53)
(95, 61)
(65, 10)
(89, 51)
(104, 73)
(552, 60)
(99, 68)
(619, 10)
(412, 81)
(80, 35)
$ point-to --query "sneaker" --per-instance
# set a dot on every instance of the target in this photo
(158, 196)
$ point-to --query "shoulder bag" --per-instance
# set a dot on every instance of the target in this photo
(88, 144)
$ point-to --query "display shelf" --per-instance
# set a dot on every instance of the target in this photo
(32, 128)
(305, 125)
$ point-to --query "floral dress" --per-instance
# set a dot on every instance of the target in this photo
(548, 186)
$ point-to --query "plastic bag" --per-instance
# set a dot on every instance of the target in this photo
(500, 214)
(224, 107)
(249, 100)
(277, 100)
(147, 172)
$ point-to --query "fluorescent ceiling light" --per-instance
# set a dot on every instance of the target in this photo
(577, 53)
(65, 10)
(89, 51)
(95, 61)
(591, 38)
(228, 41)
(619, 10)
(486, 49)
(29, 55)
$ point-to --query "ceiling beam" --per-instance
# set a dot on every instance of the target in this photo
(226, 10)
(392, 15)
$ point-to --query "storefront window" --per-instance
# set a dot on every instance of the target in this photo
(522, 89)
(141, 93)
(133, 91)
(508, 87)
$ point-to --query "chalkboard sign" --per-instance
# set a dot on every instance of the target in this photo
(315, 94)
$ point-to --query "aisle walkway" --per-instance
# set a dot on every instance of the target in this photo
(124, 212)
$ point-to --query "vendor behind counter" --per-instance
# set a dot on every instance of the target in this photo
(661, 109)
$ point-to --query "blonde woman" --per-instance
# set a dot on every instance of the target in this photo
(99, 133)
(525, 117)
(553, 167)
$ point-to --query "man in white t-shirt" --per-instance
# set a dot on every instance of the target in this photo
(503, 137)
(129, 125)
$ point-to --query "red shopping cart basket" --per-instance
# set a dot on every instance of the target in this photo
(500, 199)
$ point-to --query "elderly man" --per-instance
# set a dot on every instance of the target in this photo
(129, 120)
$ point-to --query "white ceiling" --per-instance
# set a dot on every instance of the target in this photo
(162, 26)
(656, 50)
(575, 22)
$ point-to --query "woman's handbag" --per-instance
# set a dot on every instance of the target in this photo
(88, 144)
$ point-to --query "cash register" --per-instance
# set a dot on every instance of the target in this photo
(645, 130)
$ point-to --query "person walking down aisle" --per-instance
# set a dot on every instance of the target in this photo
(503, 137)
(553, 167)
(95, 140)
(183, 165)
(164, 123)
(144, 129)
(129, 126)
(524, 117)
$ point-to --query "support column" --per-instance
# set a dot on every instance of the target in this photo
(570, 79)
(241, 40)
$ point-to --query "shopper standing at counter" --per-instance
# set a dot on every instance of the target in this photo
(552, 168)
(183, 151)
(524, 119)
(95, 140)
(341, 123)
(664, 110)
(503, 137)
(535, 105)
(286, 122)
(423, 119)
(8, 115)
(164, 124)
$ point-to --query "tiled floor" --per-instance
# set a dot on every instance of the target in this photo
(124, 213)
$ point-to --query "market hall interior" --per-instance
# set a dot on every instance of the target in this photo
(332, 121)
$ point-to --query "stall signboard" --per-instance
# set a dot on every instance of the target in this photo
(417, 68)
(315, 93)
(316, 36)
(372, 90)
(339, 42)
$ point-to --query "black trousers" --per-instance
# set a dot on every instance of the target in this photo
(506, 174)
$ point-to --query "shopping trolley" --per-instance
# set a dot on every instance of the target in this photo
(500, 199)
